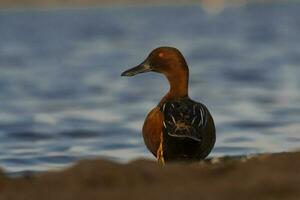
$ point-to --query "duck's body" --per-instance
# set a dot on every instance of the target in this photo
(178, 128)
(183, 127)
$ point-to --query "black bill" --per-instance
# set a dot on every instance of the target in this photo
(141, 68)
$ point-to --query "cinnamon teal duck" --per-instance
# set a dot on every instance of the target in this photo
(178, 128)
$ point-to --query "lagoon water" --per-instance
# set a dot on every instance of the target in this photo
(62, 98)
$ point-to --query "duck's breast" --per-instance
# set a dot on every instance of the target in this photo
(152, 130)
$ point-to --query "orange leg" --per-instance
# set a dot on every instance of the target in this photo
(160, 152)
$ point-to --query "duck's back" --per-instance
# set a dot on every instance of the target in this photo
(188, 130)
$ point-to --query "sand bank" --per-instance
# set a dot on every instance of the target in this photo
(268, 176)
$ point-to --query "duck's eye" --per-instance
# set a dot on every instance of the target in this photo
(161, 55)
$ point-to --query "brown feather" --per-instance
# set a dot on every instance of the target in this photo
(152, 130)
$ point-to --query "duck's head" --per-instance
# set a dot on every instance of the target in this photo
(166, 60)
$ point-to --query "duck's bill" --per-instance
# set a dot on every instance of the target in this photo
(142, 68)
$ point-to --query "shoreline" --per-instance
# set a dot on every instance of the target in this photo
(264, 176)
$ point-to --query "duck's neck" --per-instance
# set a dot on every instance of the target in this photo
(178, 86)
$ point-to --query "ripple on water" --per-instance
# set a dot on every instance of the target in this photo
(240, 139)
(256, 124)
(293, 139)
(80, 134)
(17, 161)
(59, 159)
(114, 146)
(234, 150)
(29, 136)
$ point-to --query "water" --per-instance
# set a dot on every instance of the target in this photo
(62, 98)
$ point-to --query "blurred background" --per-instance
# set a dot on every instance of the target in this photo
(62, 98)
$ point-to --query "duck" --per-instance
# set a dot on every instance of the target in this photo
(177, 128)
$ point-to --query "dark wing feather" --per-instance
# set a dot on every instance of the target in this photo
(184, 118)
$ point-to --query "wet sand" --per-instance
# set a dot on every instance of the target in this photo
(267, 176)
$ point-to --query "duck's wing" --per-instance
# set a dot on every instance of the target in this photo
(184, 118)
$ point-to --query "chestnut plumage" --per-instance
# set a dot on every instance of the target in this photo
(178, 128)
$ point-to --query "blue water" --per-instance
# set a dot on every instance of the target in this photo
(62, 98)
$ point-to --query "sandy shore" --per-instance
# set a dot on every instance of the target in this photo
(268, 176)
